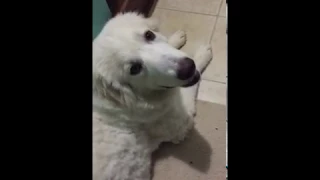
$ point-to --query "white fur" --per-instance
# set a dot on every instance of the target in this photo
(132, 115)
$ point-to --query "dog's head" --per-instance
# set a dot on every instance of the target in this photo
(130, 53)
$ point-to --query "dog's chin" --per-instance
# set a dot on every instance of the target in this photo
(193, 80)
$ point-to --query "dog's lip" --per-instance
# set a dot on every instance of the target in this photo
(168, 87)
(192, 81)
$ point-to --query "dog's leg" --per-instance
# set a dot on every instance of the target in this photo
(202, 59)
(182, 133)
(128, 166)
(123, 163)
(120, 154)
(178, 39)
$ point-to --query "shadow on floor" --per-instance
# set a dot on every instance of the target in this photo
(195, 151)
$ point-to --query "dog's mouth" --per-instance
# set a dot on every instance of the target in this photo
(192, 81)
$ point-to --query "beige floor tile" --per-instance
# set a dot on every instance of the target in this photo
(223, 9)
(197, 6)
(198, 27)
(214, 92)
(217, 70)
(202, 156)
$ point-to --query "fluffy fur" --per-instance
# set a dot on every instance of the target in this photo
(132, 115)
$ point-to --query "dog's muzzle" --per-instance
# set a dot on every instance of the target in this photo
(187, 72)
(186, 69)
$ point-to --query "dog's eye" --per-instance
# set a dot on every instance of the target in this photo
(149, 35)
(135, 68)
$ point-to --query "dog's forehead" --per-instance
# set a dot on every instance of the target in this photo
(127, 32)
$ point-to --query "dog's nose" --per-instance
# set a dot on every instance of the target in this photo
(186, 69)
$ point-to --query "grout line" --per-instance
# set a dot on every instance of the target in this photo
(215, 24)
(213, 30)
(220, 7)
(212, 101)
(215, 81)
(188, 11)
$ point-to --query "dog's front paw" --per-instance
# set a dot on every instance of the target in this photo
(191, 107)
(178, 39)
(203, 57)
(192, 111)
(184, 132)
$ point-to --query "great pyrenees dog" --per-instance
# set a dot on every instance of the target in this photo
(144, 93)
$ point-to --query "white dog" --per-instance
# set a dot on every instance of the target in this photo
(137, 99)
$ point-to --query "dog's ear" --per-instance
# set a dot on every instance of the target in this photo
(153, 24)
(113, 91)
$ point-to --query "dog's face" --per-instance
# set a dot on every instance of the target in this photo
(129, 52)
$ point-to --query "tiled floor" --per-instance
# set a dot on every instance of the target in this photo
(203, 155)
(204, 22)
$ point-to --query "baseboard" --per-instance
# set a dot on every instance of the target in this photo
(142, 6)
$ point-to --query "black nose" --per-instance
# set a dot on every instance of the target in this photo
(186, 69)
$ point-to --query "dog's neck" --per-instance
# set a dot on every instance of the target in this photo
(136, 100)
(124, 95)
(154, 96)
(113, 102)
